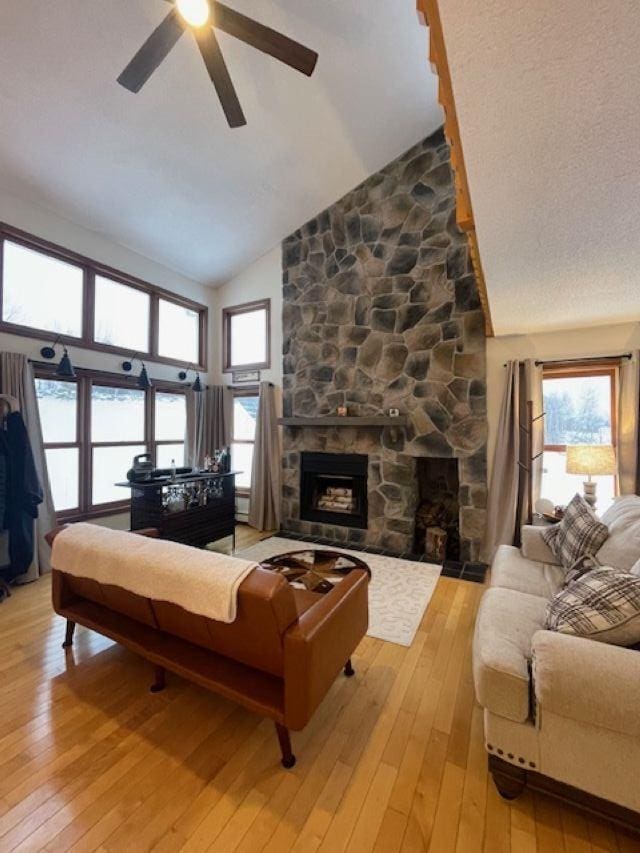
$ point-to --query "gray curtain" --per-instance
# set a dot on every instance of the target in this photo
(627, 427)
(508, 503)
(264, 508)
(17, 380)
(208, 423)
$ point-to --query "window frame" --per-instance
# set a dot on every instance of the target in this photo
(91, 269)
(248, 391)
(582, 371)
(84, 381)
(227, 316)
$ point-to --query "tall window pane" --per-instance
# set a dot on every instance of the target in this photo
(58, 405)
(110, 465)
(117, 414)
(121, 315)
(245, 412)
(171, 416)
(40, 291)
(242, 461)
(63, 469)
(179, 332)
(248, 338)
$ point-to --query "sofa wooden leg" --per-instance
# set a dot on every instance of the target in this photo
(348, 669)
(68, 637)
(288, 758)
(509, 780)
(161, 682)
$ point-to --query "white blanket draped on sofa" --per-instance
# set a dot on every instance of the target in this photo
(201, 582)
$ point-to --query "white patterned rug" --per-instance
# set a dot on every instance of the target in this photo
(399, 590)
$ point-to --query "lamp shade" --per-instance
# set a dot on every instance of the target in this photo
(591, 459)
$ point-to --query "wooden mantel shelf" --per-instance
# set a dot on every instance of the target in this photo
(347, 421)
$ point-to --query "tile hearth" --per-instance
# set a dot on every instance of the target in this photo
(462, 570)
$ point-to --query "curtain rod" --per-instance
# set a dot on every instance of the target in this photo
(538, 363)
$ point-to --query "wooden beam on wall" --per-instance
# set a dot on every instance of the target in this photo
(430, 16)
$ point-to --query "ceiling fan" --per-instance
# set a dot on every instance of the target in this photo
(203, 17)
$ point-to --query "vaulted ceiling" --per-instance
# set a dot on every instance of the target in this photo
(548, 104)
(160, 172)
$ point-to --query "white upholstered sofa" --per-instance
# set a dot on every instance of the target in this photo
(561, 713)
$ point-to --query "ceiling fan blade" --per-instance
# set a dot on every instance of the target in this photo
(264, 38)
(217, 68)
(152, 52)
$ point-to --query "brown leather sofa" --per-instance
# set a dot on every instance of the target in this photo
(278, 658)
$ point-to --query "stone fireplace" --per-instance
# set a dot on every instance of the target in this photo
(381, 311)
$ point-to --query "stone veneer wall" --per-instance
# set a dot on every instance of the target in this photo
(381, 310)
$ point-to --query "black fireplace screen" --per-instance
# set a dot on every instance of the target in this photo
(333, 489)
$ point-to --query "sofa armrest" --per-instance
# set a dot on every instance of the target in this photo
(318, 645)
(587, 681)
(534, 547)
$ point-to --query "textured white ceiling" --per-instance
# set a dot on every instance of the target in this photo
(160, 172)
(548, 101)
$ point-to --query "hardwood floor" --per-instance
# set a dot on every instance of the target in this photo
(392, 761)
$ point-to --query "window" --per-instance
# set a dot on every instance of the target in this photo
(246, 334)
(580, 409)
(117, 435)
(48, 292)
(93, 426)
(58, 403)
(178, 332)
(40, 291)
(245, 413)
(170, 426)
(121, 315)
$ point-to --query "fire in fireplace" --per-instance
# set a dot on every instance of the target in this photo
(333, 488)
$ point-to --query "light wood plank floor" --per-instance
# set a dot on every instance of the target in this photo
(392, 761)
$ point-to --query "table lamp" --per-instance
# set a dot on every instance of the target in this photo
(592, 460)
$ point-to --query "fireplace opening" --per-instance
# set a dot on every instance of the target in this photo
(437, 527)
(333, 488)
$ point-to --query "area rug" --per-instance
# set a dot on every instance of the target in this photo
(399, 591)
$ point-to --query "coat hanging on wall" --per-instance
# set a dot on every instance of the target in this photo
(20, 492)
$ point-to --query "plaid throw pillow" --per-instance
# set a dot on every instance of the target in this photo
(602, 605)
(579, 534)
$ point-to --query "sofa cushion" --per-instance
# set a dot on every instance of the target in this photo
(511, 570)
(622, 548)
(505, 625)
(533, 545)
(603, 604)
(579, 533)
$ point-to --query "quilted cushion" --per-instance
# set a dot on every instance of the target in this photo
(579, 534)
(603, 604)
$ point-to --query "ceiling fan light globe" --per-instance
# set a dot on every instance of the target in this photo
(195, 12)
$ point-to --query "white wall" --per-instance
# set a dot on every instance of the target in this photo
(261, 280)
(579, 343)
(51, 227)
